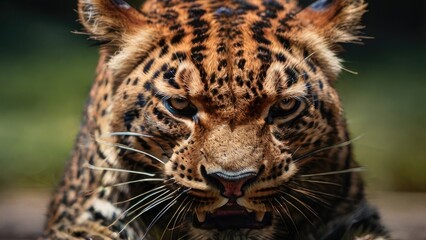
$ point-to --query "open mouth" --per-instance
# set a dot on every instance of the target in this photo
(232, 216)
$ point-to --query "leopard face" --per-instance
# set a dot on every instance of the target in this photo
(231, 104)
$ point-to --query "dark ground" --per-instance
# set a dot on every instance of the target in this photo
(22, 213)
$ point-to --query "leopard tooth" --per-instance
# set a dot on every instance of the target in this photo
(260, 216)
(249, 210)
(201, 216)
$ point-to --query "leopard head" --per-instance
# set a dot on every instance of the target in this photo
(232, 105)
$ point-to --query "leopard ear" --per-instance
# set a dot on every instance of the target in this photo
(336, 20)
(108, 20)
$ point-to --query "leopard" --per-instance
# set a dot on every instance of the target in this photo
(215, 119)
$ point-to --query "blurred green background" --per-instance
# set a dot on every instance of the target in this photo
(46, 72)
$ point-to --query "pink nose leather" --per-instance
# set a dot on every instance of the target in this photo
(232, 185)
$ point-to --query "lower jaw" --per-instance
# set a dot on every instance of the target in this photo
(233, 222)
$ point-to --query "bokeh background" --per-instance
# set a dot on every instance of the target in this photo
(46, 72)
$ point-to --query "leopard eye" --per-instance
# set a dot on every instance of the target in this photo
(180, 106)
(286, 109)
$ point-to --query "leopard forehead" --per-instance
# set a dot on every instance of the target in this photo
(228, 57)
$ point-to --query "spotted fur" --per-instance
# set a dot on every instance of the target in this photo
(258, 75)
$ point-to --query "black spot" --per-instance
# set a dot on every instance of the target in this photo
(169, 76)
(148, 66)
(239, 81)
(144, 144)
(272, 4)
(198, 23)
(196, 12)
(260, 86)
(220, 82)
(258, 33)
(135, 82)
(180, 56)
(197, 57)
(264, 54)
(156, 74)
(170, 15)
(125, 95)
(238, 44)
(241, 64)
(222, 64)
(221, 48)
(173, 83)
(244, 6)
(129, 117)
(280, 57)
(268, 14)
(198, 48)
(164, 51)
(284, 42)
(170, 73)
(141, 100)
(200, 35)
(175, 27)
(177, 38)
(291, 76)
(147, 86)
(162, 42)
(212, 78)
(159, 114)
(196, 54)
(321, 85)
(164, 67)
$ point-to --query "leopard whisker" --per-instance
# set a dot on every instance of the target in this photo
(133, 134)
(130, 149)
(320, 192)
(147, 209)
(320, 182)
(184, 215)
(154, 202)
(277, 211)
(162, 212)
(158, 216)
(183, 211)
(298, 209)
(140, 195)
(309, 208)
(313, 196)
(136, 181)
(350, 170)
(129, 134)
(139, 214)
(161, 192)
(93, 167)
(287, 211)
(305, 156)
(178, 210)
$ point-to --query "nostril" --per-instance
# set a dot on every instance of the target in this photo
(231, 184)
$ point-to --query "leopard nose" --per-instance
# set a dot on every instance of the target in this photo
(231, 184)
